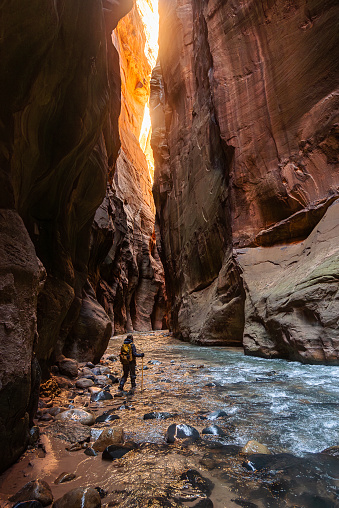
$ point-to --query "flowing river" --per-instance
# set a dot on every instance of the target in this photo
(290, 408)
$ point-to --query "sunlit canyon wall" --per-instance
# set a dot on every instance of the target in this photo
(59, 108)
(129, 277)
(245, 138)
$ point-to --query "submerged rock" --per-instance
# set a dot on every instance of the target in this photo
(64, 477)
(252, 447)
(102, 395)
(37, 490)
(213, 430)
(181, 431)
(108, 416)
(112, 436)
(114, 452)
(83, 497)
(90, 452)
(77, 415)
(333, 451)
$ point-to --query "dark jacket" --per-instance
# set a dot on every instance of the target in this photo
(134, 351)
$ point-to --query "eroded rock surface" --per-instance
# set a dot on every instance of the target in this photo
(59, 108)
(245, 136)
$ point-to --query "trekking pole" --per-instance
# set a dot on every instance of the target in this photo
(142, 373)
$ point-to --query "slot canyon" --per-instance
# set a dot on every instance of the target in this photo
(169, 169)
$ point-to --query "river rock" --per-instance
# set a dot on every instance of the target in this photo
(114, 452)
(69, 431)
(213, 430)
(114, 379)
(77, 415)
(252, 447)
(68, 367)
(102, 380)
(82, 497)
(214, 415)
(108, 416)
(158, 416)
(112, 436)
(181, 431)
(102, 395)
(94, 389)
(84, 383)
(64, 477)
(102, 492)
(90, 452)
(38, 490)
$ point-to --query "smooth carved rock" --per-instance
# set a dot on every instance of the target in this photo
(292, 296)
(21, 277)
(245, 139)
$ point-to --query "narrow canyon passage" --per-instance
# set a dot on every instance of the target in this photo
(169, 169)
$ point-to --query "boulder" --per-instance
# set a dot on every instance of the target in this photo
(76, 415)
(112, 436)
(82, 497)
(38, 490)
(252, 447)
(69, 431)
(181, 431)
(68, 367)
(158, 416)
(84, 383)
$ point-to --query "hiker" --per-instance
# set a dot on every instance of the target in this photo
(128, 357)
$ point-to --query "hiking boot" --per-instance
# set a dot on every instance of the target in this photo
(132, 390)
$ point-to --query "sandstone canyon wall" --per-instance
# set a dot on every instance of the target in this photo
(59, 108)
(245, 137)
(127, 272)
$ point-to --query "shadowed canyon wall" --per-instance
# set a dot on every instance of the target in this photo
(245, 138)
(59, 108)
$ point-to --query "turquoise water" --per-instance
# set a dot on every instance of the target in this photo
(285, 405)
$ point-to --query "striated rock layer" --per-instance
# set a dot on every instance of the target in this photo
(245, 136)
(59, 108)
(125, 265)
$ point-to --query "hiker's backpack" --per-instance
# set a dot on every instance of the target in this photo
(126, 354)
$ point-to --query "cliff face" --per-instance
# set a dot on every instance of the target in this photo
(60, 101)
(245, 133)
(130, 277)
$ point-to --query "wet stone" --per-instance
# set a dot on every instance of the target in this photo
(83, 497)
(37, 490)
(90, 452)
(102, 395)
(114, 379)
(158, 416)
(108, 416)
(114, 452)
(333, 451)
(112, 436)
(213, 430)
(102, 492)
(77, 415)
(181, 431)
(255, 447)
(90, 365)
(64, 477)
